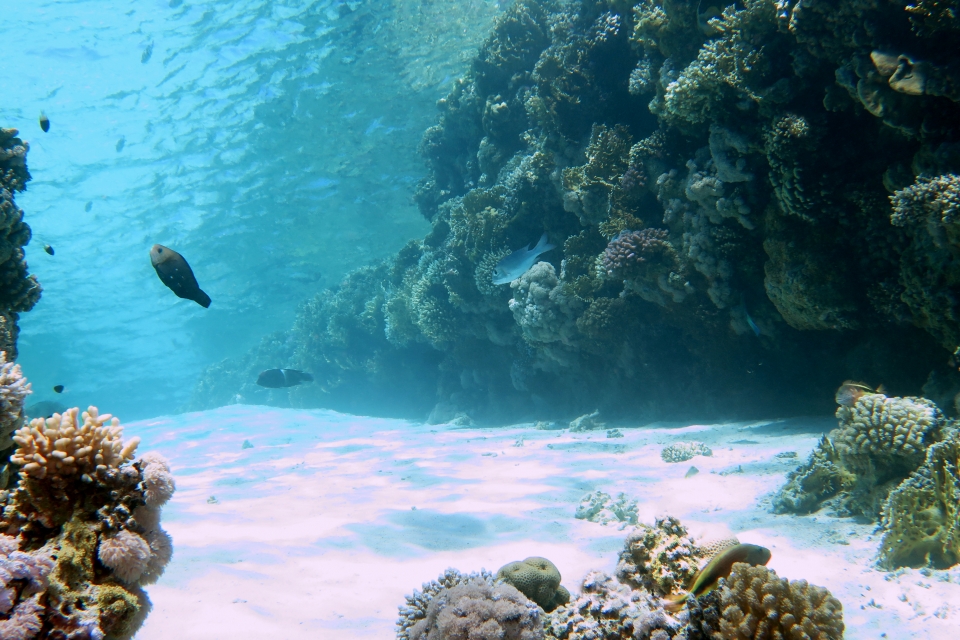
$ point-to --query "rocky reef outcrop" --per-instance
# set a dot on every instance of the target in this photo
(19, 291)
(746, 209)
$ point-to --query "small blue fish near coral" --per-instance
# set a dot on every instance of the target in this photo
(519, 262)
(281, 378)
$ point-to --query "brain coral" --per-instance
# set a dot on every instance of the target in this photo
(757, 605)
(921, 518)
(538, 579)
(478, 610)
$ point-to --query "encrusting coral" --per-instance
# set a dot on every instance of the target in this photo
(80, 494)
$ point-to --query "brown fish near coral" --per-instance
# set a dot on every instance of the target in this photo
(177, 275)
(851, 391)
(719, 567)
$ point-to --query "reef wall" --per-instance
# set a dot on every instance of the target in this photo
(747, 209)
(19, 291)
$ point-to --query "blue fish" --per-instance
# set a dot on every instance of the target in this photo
(519, 262)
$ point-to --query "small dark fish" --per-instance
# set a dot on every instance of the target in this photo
(280, 378)
(719, 567)
(147, 52)
(121, 143)
(177, 275)
(851, 391)
(44, 122)
(48, 249)
(58, 388)
(88, 206)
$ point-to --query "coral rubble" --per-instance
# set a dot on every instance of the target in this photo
(602, 508)
(683, 451)
(82, 525)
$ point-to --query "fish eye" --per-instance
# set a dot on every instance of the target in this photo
(159, 250)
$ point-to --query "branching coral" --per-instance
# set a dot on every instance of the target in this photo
(60, 446)
(757, 605)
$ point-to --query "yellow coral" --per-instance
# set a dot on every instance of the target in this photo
(60, 446)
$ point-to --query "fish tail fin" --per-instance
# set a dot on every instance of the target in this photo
(203, 300)
(675, 603)
(543, 245)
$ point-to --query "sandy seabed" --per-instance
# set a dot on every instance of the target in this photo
(313, 524)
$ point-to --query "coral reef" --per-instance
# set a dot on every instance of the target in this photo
(879, 442)
(90, 519)
(538, 579)
(478, 610)
(773, 185)
(19, 291)
(601, 508)
(683, 451)
(758, 605)
(921, 518)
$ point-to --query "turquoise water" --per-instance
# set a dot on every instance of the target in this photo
(271, 143)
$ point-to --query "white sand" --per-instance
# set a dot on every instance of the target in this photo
(322, 527)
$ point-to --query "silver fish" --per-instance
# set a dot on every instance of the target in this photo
(519, 262)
